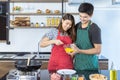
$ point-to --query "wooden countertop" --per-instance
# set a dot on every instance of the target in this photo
(5, 67)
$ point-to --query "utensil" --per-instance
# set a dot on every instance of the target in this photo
(28, 61)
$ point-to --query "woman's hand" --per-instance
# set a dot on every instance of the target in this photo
(58, 42)
(46, 42)
(55, 76)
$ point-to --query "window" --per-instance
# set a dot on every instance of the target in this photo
(115, 2)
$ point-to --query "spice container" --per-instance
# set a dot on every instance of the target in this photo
(57, 21)
(52, 21)
(37, 24)
(32, 24)
(48, 21)
(81, 77)
(42, 24)
(74, 77)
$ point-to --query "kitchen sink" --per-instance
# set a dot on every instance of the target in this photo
(8, 56)
(26, 56)
(1, 56)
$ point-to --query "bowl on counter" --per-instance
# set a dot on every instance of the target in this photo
(66, 74)
(97, 77)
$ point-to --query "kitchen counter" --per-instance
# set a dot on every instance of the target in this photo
(45, 75)
(25, 55)
(44, 57)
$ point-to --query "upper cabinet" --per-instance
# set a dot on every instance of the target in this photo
(114, 2)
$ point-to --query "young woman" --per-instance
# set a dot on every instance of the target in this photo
(58, 38)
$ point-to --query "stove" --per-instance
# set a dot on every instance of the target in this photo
(15, 74)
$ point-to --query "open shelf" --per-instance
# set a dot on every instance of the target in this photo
(32, 27)
(48, 1)
(20, 13)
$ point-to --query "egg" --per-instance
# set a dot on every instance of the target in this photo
(69, 50)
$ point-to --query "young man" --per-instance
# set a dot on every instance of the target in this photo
(88, 42)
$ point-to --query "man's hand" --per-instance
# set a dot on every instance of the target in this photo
(75, 49)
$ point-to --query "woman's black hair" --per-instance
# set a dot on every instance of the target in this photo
(71, 31)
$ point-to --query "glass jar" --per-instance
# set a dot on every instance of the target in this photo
(48, 21)
(32, 24)
(37, 24)
(52, 21)
(57, 21)
(74, 77)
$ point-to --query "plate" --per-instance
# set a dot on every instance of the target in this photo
(66, 71)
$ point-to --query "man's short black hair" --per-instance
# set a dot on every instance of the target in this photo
(86, 8)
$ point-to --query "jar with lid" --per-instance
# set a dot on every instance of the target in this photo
(37, 24)
(52, 21)
(57, 21)
(32, 24)
(42, 24)
(48, 21)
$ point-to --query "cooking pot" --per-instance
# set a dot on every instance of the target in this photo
(34, 64)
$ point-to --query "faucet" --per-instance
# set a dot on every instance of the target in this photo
(38, 55)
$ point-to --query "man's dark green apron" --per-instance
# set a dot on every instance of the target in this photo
(84, 62)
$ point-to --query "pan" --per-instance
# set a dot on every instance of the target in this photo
(34, 64)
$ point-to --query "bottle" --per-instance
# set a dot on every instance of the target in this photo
(48, 21)
(113, 73)
(37, 24)
(42, 24)
(52, 21)
(32, 24)
(56, 21)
